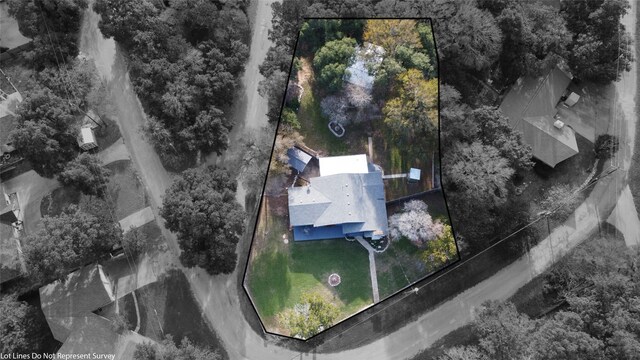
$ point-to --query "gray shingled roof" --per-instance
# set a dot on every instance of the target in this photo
(354, 200)
(549, 144)
(64, 303)
(530, 106)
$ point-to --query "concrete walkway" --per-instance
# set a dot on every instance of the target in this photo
(137, 219)
(625, 218)
(117, 151)
(372, 268)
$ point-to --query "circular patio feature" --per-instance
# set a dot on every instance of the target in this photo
(334, 279)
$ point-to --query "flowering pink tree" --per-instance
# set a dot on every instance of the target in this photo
(415, 223)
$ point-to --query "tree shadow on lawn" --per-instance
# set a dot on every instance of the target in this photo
(270, 283)
(126, 189)
(177, 310)
(59, 199)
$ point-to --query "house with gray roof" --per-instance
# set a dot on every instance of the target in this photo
(530, 106)
(344, 203)
(70, 302)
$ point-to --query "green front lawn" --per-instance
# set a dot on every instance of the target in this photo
(280, 273)
(314, 126)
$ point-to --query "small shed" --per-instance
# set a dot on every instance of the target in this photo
(572, 99)
(414, 174)
(87, 139)
(298, 159)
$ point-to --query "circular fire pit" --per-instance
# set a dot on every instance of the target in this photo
(334, 280)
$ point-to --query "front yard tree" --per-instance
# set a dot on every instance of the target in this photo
(440, 250)
(478, 173)
(14, 325)
(201, 208)
(68, 240)
(415, 223)
(86, 174)
(601, 48)
(44, 134)
(313, 314)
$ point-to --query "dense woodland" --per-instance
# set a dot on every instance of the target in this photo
(596, 313)
(479, 42)
(184, 67)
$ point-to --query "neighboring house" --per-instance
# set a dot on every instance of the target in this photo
(95, 335)
(68, 305)
(9, 102)
(530, 106)
(10, 265)
(367, 56)
(347, 199)
(10, 221)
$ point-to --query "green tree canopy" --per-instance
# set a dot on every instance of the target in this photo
(44, 134)
(478, 172)
(313, 314)
(69, 240)
(53, 25)
(414, 112)
(494, 129)
(200, 207)
(331, 61)
(601, 47)
(14, 325)
(168, 350)
(392, 34)
(87, 174)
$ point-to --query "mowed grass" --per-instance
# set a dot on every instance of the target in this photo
(280, 273)
(314, 126)
(125, 189)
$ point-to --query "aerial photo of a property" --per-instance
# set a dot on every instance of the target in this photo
(352, 211)
(319, 179)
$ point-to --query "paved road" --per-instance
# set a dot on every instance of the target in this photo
(220, 300)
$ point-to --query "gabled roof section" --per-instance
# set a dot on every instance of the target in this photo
(298, 159)
(94, 334)
(530, 106)
(65, 303)
(535, 96)
(354, 201)
(548, 143)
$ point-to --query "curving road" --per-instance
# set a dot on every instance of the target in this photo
(218, 295)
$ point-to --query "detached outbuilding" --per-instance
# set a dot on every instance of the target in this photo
(87, 139)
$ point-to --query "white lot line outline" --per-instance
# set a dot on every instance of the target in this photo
(456, 265)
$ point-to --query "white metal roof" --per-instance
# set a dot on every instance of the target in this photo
(87, 135)
(348, 164)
